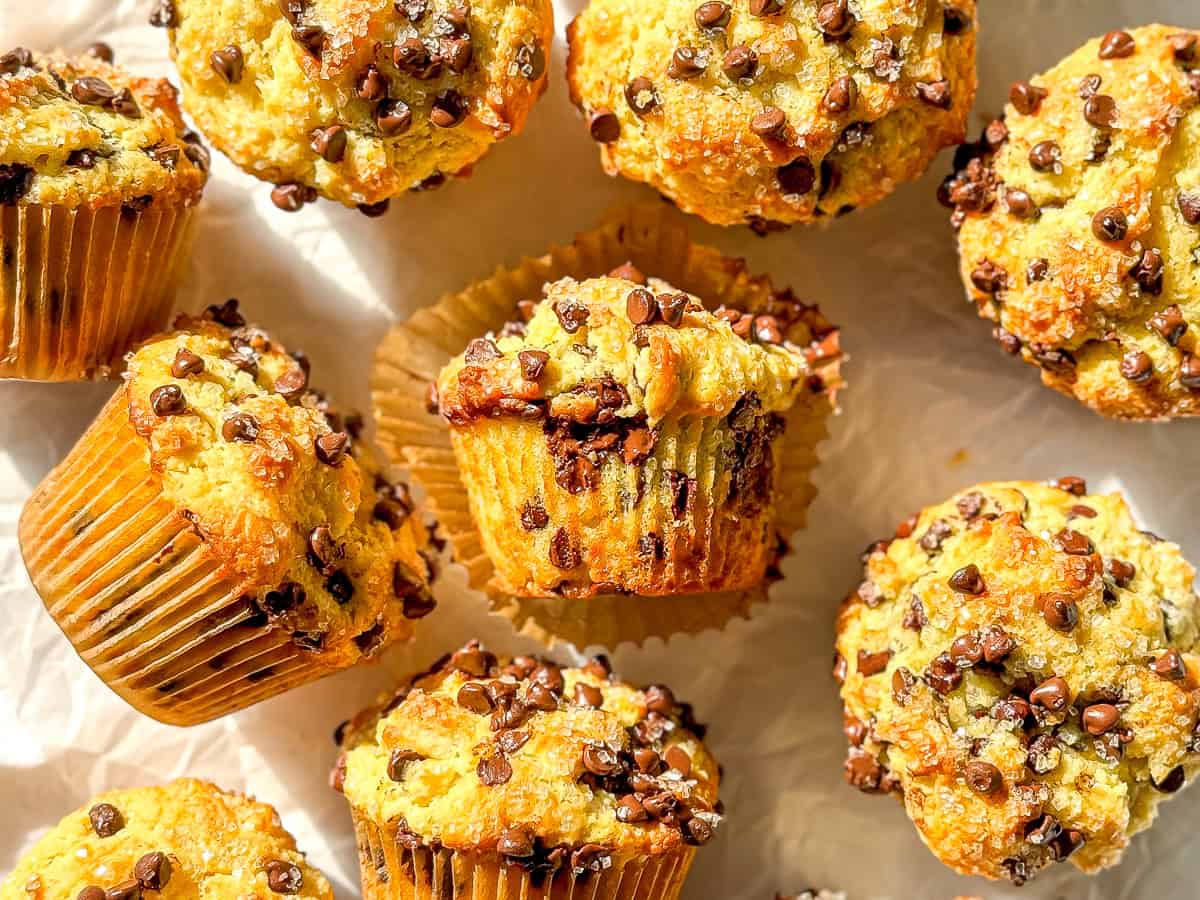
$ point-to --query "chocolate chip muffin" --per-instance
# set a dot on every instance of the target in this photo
(772, 112)
(520, 777)
(1020, 665)
(626, 439)
(219, 534)
(1079, 217)
(185, 839)
(99, 182)
(358, 102)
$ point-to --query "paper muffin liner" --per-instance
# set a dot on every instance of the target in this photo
(81, 287)
(143, 600)
(655, 239)
(392, 871)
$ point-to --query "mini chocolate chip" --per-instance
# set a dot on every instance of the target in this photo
(393, 117)
(291, 385)
(943, 674)
(1110, 224)
(1072, 484)
(1026, 98)
(872, 663)
(371, 85)
(1100, 110)
(1009, 342)
(331, 448)
(538, 697)
(106, 819)
(494, 770)
(292, 197)
(516, 843)
(967, 580)
(129, 889)
(1052, 694)
(241, 427)
(966, 650)
(677, 758)
(1117, 45)
(15, 60)
(168, 400)
(1070, 541)
(587, 695)
(83, 158)
(601, 760)
(412, 57)
(1020, 204)
(1099, 718)
(457, 53)
(672, 307)
(310, 37)
(399, 759)
(686, 63)
(228, 63)
(767, 330)
(712, 15)
(630, 810)
(989, 277)
(797, 177)
(93, 91)
(1044, 753)
(284, 877)
(1183, 46)
(1089, 86)
(955, 19)
(1046, 156)
(91, 892)
(834, 19)
(163, 14)
(533, 363)
(1060, 612)
(511, 741)
(330, 143)
(1079, 511)
(1170, 666)
(841, 96)
(739, 62)
(101, 50)
(640, 95)
(530, 60)
(563, 552)
(771, 123)
(534, 516)
(1189, 206)
(604, 126)
(449, 108)
(1148, 273)
(935, 93)
(641, 306)
(660, 699)
(627, 271)
(572, 315)
(480, 351)
(1172, 781)
(983, 777)
(1037, 270)
(1189, 371)
(153, 871)
(997, 644)
(1136, 366)
(186, 363)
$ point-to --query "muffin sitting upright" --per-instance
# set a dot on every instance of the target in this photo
(1020, 665)
(772, 112)
(495, 779)
(358, 102)
(1079, 219)
(626, 440)
(215, 538)
(99, 181)
(184, 839)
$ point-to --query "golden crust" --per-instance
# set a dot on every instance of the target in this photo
(695, 144)
(218, 845)
(56, 148)
(330, 552)
(266, 118)
(950, 651)
(1098, 315)
(444, 797)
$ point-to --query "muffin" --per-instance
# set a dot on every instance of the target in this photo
(627, 440)
(184, 839)
(220, 535)
(769, 112)
(497, 778)
(1020, 665)
(358, 102)
(1079, 223)
(99, 182)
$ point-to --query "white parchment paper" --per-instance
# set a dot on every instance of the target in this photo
(932, 406)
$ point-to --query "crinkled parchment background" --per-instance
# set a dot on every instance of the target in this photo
(932, 406)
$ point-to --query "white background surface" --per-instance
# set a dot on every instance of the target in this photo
(933, 405)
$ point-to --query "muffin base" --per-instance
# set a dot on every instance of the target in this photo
(391, 871)
(143, 600)
(79, 287)
(655, 239)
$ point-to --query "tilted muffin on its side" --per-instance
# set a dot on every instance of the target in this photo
(99, 181)
(518, 774)
(1020, 665)
(1079, 218)
(773, 112)
(358, 102)
(627, 440)
(219, 535)
(184, 839)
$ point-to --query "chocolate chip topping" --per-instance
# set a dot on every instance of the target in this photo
(1148, 273)
(1117, 45)
(91, 892)
(129, 889)
(841, 96)
(240, 427)
(769, 124)
(1099, 718)
(967, 580)
(1100, 110)
(1183, 46)
(1170, 665)
(955, 20)
(92, 91)
(1060, 612)
(712, 15)
(572, 315)
(935, 93)
(686, 63)
(516, 843)
(494, 770)
(641, 307)
(563, 552)
(371, 85)
(153, 871)
(797, 177)
(1136, 366)
(641, 96)
(588, 696)
(1046, 156)
(228, 63)
(1189, 206)
(449, 108)
(331, 448)
(330, 143)
(834, 19)
(739, 63)
(284, 877)
(399, 759)
(604, 126)
(1110, 224)
(983, 777)
(1026, 98)
(168, 400)
(872, 663)
(292, 197)
(106, 819)
(1052, 694)
(393, 117)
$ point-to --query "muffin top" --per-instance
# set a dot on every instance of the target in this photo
(82, 133)
(532, 761)
(184, 839)
(771, 112)
(278, 485)
(1020, 663)
(1080, 223)
(359, 100)
(633, 348)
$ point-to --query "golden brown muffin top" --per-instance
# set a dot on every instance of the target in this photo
(631, 348)
(80, 132)
(358, 100)
(1080, 223)
(1020, 663)
(279, 486)
(770, 112)
(542, 764)
(186, 839)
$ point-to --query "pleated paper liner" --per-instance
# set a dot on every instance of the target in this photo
(391, 871)
(80, 287)
(653, 238)
(141, 597)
